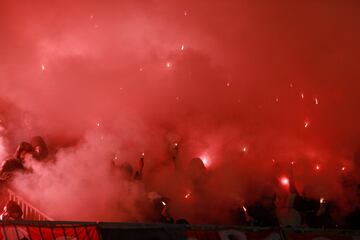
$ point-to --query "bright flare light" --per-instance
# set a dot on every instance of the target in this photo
(302, 96)
(343, 169)
(182, 47)
(284, 181)
(206, 160)
(187, 196)
(317, 167)
(307, 123)
(244, 208)
(43, 67)
(163, 203)
(168, 64)
(316, 101)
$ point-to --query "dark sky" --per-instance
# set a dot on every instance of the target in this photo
(219, 75)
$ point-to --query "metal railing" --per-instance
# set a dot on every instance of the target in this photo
(29, 211)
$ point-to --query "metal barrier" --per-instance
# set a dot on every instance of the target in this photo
(42, 230)
(29, 211)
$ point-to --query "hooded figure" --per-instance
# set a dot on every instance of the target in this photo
(12, 165)
(40, 150)
(12, 211)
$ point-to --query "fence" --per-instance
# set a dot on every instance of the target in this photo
(29, 211)
(43, 230)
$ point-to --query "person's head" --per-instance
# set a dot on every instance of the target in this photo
(12, 211)
(23, 150)
(40, 150)
(126, 171)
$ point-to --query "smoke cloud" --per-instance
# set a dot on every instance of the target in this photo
(248, 86)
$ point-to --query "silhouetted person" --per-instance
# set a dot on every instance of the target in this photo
(11, 211)
(40, 149)
(17, 163)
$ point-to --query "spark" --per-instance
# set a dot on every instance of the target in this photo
(292, 162)
(168, 64)
(176, 144)
(98, 124)
(284, 181)
(244, 208)
(143, 154)
(307, 123)
(187, 196)
(228, 84)
(322, 200)
(244, 149)
(206, 160)
(163, 203)
(343, 169)
(317, 167)
(182, 47)
(115, 157)
(43, 67)
(302, 95)
(316, 101)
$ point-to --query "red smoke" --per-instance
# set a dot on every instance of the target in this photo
(242, 82)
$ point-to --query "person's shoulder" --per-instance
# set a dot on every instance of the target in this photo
(11, 164)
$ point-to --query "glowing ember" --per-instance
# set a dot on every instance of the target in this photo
(317, 167)
(206, 160)
(316, 101)
(302, 95)
(187, 196)
(284, 181)
(292, 162)
(244, 149)
(163, 203)
(143, 154)
(168, 64)
(322, 200)
(343, 169)
(244, 208)
(43, 67)
(307, 123)
(98, 124)
(182, 47)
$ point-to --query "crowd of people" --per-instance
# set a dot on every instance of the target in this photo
(271, 208)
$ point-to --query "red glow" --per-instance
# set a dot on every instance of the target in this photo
(187, 196)
(317, 167)
(284, 181)
(244, 208)
(206, 160)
